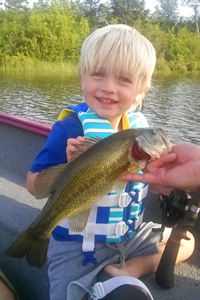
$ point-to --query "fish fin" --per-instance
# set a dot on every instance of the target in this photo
(34, 249)
(95, 139)
(120, 186)
(45, 180)
(78, 222)
(137, 166)
(84, 146)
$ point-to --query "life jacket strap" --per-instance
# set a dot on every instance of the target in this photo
(102, 289)
(121, 200)
(89, 257)
(119, 229)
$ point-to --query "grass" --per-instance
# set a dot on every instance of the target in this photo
(27, 64)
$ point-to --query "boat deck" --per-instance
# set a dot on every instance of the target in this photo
(18, 209)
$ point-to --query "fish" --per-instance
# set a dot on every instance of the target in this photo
(73, 187)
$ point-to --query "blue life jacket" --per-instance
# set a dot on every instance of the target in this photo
(116, 216)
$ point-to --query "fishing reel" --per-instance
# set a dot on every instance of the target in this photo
(174, 208)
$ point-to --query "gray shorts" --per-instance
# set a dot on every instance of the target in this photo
(69, 279)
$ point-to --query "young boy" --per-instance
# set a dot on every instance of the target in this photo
(115, 70)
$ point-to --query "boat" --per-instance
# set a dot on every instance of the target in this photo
(21, 139)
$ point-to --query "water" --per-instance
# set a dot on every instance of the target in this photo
(173, 103)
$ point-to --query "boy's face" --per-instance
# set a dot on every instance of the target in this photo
(108, 95)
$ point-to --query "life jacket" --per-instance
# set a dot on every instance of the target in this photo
(116, 216)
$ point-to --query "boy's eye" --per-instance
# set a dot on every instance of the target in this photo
(124, 79)
(98, 74)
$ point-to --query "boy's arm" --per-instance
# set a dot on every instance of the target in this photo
(30, 181)
(54, 150)
(51, 154)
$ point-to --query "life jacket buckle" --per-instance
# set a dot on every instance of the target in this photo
(124, 199)
(121, 228)
(98, 291)
(131, 224)
(89, 257)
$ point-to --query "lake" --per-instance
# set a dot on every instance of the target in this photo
(172, 103)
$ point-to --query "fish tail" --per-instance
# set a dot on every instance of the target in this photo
(31, 247)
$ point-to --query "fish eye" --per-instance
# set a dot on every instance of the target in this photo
(154, 131)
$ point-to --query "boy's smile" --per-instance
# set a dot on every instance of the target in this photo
(109, 95)
(106, 100)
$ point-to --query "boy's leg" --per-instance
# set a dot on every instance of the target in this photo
(139, 266)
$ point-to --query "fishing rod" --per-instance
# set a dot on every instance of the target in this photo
(179, 211)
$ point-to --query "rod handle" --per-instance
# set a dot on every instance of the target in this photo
(165, 272)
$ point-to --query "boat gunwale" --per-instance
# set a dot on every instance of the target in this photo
(24, 123)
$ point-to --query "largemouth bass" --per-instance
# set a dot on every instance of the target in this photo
(72, 188)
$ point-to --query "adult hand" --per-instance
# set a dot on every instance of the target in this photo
(180, 169)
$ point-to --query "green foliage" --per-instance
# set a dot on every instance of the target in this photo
(195, 5)
(128, 11)
(16, 5)
(167, 12)
(177, 49)
(54, 30)
(55, 35)
(90, 11)
(50, 33)
(182, 50)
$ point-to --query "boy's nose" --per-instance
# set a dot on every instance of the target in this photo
(109, 85)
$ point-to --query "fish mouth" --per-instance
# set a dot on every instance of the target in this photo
(152, 148)
(138, 153)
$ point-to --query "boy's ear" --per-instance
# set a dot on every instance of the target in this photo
(82, 82)
(145, 90)
(141, 95)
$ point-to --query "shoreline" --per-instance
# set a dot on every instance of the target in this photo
(71, 68)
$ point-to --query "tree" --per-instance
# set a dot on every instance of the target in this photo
(167, 12)
(98, 14)
(16, 4)
(128, 11)
(194, 4)
(41, 4)
(90, 11)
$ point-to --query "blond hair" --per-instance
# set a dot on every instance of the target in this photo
(128, 52)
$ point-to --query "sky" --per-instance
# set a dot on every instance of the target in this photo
(184, 11)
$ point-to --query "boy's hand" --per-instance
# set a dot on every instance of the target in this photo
(72, 145)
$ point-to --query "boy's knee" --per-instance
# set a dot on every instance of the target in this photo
(188, 245)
